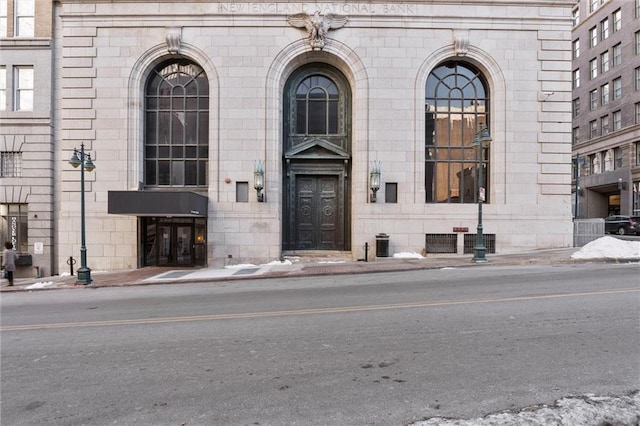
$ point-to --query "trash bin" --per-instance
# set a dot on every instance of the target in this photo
(382, 245)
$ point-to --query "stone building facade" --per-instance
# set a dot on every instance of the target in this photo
(27, 151)
(186, 107)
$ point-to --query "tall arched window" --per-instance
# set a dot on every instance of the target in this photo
(176, 143)
(456, 108)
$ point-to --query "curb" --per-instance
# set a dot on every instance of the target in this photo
(321, 269)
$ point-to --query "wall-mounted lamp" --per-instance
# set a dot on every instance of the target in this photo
(622, 185)
(258, 179)
(374, 180)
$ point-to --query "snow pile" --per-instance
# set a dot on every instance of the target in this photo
(251, 265)
(609, 248)
(241, 266)
(279, 263)
(408, 255)
(589, 410)
(40, 285)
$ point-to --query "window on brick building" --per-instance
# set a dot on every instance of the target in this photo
(593, 99)
(617, 153)
(617, 20)
(3, 18)
(593, 37)
(576, 48)
(617, 120)
(604, 125)
(617, 88)
(604, 94)
(593, 67)
(617, 54)
(3, 88)
(604, 61)
(593, 129)
(604, 29)
(23, 88)
(24, 18)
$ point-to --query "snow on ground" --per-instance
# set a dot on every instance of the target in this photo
(37, 285)
(408, 255)
(609, 248)
(588, 410)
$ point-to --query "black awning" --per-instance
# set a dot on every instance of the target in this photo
(157, 203)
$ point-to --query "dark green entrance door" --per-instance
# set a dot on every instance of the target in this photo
(317, 213)
(317, 159)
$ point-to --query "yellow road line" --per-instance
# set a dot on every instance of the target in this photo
(345, 309)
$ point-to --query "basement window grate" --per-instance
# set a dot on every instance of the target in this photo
(441, 243)
(470, 243)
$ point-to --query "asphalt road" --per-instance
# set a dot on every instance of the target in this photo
(370, 349)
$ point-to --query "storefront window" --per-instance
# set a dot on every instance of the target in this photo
(13, 226)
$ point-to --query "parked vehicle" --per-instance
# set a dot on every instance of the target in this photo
(622, 225)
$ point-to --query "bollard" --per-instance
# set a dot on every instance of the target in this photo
(71, 262)
(366, 251)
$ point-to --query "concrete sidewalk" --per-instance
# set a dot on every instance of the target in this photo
(291, 267)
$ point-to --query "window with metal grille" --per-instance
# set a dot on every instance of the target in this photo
(470, 243)
(441, 243)
(10, 164)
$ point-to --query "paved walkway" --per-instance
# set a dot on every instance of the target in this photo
(290, 267)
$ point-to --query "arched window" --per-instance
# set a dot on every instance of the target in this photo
(456, 108)
(176, 141)
(317, 106)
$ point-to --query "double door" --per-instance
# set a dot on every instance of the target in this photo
(174, 242)
(317, 218)
(316, 208)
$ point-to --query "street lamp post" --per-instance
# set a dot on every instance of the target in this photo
(83, 160)
(479, 251)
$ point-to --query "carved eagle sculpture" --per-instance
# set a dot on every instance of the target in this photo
(317, 26)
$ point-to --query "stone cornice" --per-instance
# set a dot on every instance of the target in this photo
(482, 9)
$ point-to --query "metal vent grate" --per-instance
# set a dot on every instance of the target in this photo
(470, 242)
(441, 243)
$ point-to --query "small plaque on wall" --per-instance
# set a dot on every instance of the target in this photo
(458, 229)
